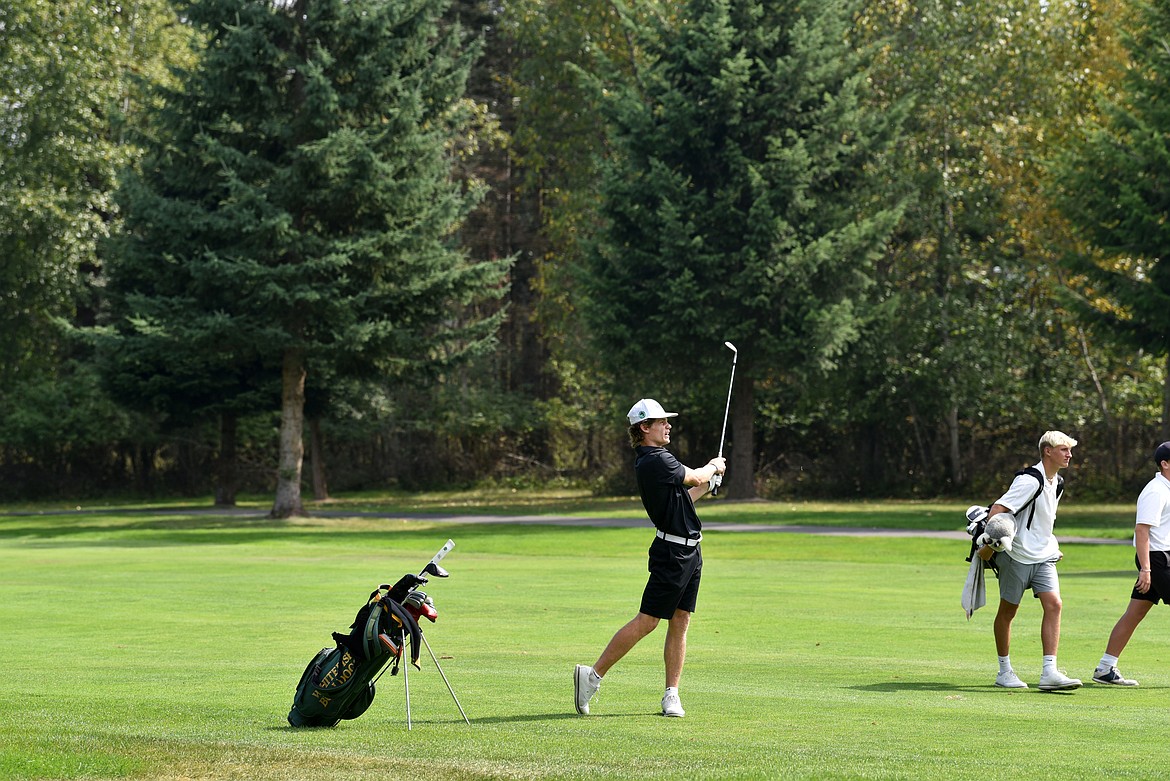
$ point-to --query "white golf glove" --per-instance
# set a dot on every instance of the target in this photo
(715, 481)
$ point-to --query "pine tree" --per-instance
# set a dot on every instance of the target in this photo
(297, 207)
(738, 206)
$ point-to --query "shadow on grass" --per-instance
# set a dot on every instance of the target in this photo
(945, 686)
(218, 529)
(560, 716)
(516, 719)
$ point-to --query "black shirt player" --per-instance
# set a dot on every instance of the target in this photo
(669, 490)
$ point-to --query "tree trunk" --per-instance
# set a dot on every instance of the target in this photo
(1166, 401)
(317, 460)
(292, 446)
(1113, 431)
(741, 476)
(958, 479)
(226, 481)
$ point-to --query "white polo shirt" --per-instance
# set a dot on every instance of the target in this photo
(1153, 510)
(1033, 544)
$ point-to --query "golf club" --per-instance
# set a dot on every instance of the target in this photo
(718, 479)
(432, 568)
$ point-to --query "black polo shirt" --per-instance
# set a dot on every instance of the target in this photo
(664, 495)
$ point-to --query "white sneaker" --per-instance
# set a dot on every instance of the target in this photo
(584, 687)
(1009, 680)
(671, 706)
(1056, 681)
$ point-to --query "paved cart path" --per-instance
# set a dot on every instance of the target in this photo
(708, 526)
(559, 520)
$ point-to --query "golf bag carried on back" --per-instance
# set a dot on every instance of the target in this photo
(338, 683)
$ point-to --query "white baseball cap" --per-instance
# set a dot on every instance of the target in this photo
(647, 409)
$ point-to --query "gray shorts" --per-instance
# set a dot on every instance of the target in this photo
(1015, 578)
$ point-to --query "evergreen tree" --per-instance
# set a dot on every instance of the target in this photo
(1114, 186)
(297, 207)
(738, 206)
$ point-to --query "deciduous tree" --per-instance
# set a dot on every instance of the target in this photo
(1113, 183)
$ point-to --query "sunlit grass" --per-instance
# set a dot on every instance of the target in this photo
(167, 645)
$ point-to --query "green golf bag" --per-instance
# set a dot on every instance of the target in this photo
(338, 683)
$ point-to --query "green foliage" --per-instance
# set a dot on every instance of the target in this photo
(928, 372)
(557, 141)
(973, 351)
(739, 203)
(326, 229)
(60, 412)
(70, 85)
(1112, 184)
(736, 201)
(296, 211)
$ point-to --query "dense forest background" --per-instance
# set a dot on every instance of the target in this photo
(426, 244)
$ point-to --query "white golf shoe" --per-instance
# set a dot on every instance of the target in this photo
(1009, 680)
(585, 685)
(672, 706)
(1056, 681)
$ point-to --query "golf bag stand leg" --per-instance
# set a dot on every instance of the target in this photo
(435, 659)
(406, 686)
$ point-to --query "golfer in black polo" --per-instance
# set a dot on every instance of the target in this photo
(669, 491)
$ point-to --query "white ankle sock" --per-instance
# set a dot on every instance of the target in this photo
(1107, 661)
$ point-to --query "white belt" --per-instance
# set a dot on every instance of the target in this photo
(689, 542)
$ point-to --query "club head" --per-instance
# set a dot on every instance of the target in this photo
(731, 347)
(434, 569)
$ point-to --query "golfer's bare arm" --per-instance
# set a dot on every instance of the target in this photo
(1141, 541)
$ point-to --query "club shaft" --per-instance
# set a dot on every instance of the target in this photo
(727, 409)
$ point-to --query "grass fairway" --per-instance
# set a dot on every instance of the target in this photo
(167, 646)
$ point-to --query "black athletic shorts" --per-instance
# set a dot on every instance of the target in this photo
(674, 579)
(1159, 578)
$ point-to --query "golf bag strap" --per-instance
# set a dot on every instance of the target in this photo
(370, 643)
(409, 626)
(974, 544)
(385, 610)
(987, 563)
(1031, 503)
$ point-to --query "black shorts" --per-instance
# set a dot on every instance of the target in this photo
(1159, 578)
(675, 571)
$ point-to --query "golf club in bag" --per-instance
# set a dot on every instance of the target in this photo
(717, 480)
(338, 682)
